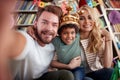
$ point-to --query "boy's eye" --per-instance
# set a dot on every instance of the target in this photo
(72, 32)
(64, 33)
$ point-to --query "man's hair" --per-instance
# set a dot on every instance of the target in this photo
(52, 9)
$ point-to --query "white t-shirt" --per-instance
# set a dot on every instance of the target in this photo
(34, 61)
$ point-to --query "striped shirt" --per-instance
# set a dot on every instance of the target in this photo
(93, 60)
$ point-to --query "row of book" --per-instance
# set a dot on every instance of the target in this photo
(110, 3)
(117, 39)
(25, 19)
(25, 5)
(116, 27)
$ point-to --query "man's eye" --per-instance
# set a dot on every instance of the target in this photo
(44, 22)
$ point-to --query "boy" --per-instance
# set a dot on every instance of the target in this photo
(67, 46)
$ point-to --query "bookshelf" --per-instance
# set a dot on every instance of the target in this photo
(26, 13)
(113, 29)
(97, 8)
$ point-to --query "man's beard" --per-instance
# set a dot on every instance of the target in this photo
(39, 37)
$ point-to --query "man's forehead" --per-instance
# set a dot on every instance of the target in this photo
(50, 17)
(47, 20)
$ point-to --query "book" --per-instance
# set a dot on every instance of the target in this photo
(34, 19)
(27, 19)
(32, 7)
(28, 5)
(31, 18)
(24, 5)
(116, 27)
(24, 18)
(20, 19)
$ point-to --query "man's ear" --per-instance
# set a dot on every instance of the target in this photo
(35, 24)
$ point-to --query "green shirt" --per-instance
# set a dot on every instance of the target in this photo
(65, 53)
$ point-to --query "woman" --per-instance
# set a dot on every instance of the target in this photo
(96, 45)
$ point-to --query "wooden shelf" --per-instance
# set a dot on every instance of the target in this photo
(117, 33)
(24, 25)
(26, 11)
(109, 27)
(112, 9)
(101, 15)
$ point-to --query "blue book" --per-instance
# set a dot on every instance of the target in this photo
(32, 7)
(24, 5)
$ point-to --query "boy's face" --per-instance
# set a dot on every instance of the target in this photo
(68, 35)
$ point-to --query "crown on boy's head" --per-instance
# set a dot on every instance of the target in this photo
(69, 18)
(81, 12)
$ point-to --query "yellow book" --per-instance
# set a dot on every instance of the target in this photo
(20, 19)
(31, 18)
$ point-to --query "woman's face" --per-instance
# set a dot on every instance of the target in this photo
(86, 22)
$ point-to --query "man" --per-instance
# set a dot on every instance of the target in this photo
(5, 18)
(31, 58)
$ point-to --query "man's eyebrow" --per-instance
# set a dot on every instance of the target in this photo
(48, 21)
(44, 20)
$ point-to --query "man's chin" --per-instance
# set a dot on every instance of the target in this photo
(47, 42)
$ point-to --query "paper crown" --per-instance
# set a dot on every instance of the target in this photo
(69, 18)
(80, 12)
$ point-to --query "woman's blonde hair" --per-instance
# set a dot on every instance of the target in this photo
(95, 40)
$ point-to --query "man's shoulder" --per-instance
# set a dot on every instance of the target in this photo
(24, 33)
(28, 44)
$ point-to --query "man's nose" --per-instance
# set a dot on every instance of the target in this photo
(49, 27)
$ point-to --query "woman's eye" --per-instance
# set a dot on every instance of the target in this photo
(81, 18)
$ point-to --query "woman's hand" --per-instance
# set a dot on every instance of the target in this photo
(108, 51)
(31, 32)
(106, 35)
